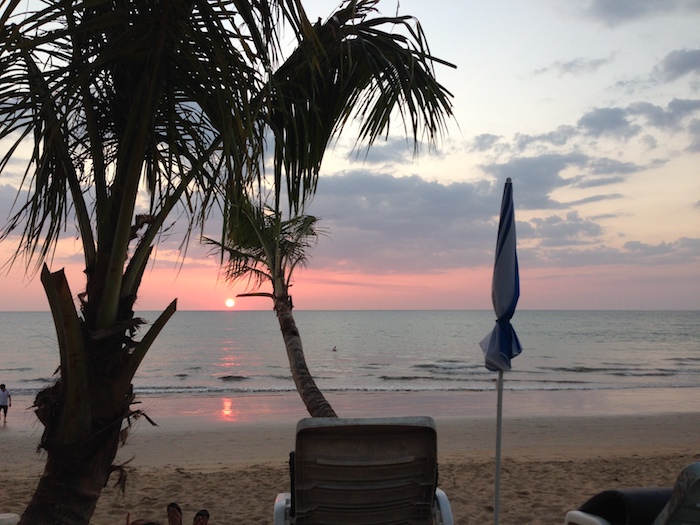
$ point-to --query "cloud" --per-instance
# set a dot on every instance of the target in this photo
(679, 251)
(615, 12)
(395, 150)
(571, 230)
(383, 223)
(608, 121)
(678, 64)
(558, 137)
(694, 132)
(616, 123)
(576, 66)
(606, 166)
(670, 117)
(10, 203)
(484, 142)
(543, 174)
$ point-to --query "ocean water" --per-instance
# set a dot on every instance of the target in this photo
(232, 352)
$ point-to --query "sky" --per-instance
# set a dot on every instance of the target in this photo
(591, 107)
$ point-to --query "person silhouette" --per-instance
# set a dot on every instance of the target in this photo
(5, 401)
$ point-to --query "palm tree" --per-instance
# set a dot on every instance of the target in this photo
(350, 66)
(121, 115)
(265, 248)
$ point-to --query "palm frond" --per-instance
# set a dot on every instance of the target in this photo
(354, 67)
(119, 97)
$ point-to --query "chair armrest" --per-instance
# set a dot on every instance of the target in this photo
(577, 517)
(443, 510)
(281, 512)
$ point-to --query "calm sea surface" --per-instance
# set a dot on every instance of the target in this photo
(378, 351)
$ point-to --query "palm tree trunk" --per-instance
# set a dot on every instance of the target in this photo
(83, 411)
(313, 398)
(73, 479)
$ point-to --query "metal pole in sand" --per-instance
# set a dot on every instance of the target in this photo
(499, 425)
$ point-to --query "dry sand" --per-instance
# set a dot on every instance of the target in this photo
(234, 463)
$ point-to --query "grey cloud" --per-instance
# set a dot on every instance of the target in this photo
(616, 12)
(8, 194)
(650, 142)
(568, 254)
(647, 249)
(606, 166)
(669, 117)
(585, 182)
(540, 176)
(678, 64)
(694, 131)
(681, 250)
(575, 66)
(572, 230)
(383, 223)
(484, 142)
(10, 203)
(387, 224)
(594, 198)
(608, 121)
(558, 137)
(393, 150)
(636, 119)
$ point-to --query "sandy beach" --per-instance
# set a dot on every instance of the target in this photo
(229, 455)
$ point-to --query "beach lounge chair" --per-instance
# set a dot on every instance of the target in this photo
(378, 471)
(679, 505)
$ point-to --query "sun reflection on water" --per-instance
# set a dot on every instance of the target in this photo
(228, 412)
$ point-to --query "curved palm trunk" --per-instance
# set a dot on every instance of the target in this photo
(83, 411)
(313, 398)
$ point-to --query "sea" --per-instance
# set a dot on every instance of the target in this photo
(232, 352)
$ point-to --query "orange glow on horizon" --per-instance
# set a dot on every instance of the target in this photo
(198, 286)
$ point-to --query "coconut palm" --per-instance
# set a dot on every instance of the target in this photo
(352, 65)
(116, 117)
(266, 249)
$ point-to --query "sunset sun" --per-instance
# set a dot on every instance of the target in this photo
(229, 303)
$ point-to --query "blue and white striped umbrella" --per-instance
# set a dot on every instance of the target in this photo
(502, 344)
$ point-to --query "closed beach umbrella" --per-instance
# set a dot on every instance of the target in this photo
(502, 344)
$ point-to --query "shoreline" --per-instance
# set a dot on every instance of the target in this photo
(229, 453)
(181, 412)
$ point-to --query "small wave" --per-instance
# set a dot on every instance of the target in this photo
(45, 380)
(232, 378)
(286, 377)
(655, 373)
(449, 364)
(420, 378)
(373, 366)
(682, 360)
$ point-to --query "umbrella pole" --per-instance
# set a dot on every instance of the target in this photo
(499, 425)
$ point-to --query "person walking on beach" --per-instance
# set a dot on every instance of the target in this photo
(5, 401)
